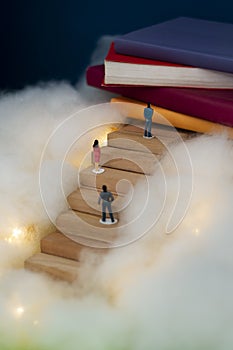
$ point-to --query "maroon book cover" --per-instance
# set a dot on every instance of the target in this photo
(213, 105)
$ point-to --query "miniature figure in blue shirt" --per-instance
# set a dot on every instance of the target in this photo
(107, 198)
(148, 114)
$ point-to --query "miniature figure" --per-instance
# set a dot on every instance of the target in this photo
(107, 198)
(148, 113)
(96, 156)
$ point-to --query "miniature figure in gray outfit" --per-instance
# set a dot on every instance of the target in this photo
(148, 113)
(107, 198)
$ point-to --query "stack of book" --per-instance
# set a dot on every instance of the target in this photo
(183, 66)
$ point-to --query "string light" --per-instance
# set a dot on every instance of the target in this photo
(17, 232)
(20, 235)
(16, 236)
(19, 311)
(196, 231)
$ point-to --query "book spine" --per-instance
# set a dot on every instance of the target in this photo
(176, 55)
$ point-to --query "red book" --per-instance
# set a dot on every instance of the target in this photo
(209, 104)
(132, 70)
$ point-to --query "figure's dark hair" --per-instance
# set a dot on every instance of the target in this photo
(104, 188)
(148, 104)
(96, 143)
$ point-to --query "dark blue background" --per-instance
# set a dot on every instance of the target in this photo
(54, 40)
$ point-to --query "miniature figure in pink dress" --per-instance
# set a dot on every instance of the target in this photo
(96, 156)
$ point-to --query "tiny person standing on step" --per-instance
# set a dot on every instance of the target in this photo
(148, 114)
(107, 198)
(96, 156)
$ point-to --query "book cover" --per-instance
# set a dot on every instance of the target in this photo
(209, 104)
(132, 70)
(190, 41)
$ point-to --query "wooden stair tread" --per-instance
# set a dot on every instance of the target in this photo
(86, 228)
(135, 141)
(85, 200)
(159, 130)
(55, 266)
(58, 244)
(110, 178)
(128, 160)
(164, 136)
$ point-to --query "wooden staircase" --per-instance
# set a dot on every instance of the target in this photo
(126, 159)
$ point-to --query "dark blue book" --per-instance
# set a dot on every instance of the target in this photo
(190, 41)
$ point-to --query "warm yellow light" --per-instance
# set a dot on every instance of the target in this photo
(19, 311)
(19, 235)
(103, 138)
(17, 232)
(196, 231)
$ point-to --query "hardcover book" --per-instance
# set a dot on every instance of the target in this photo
(190, 41)
(132, 70)
(213, 105)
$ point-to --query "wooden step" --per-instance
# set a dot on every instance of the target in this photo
(54, 266)
(162, 131)
(116, 180)
(85, 200)
(128, 160)
(130, 137)
(58, 244)
(135, 141)
(86, 229)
